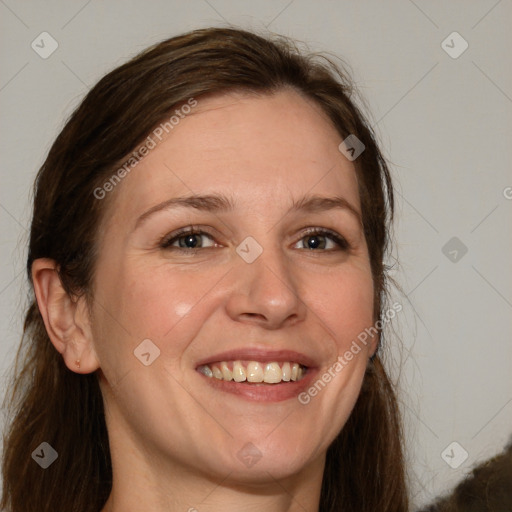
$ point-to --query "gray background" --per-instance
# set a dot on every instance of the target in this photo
(445, 123)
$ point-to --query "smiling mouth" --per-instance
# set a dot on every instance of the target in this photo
(254, 372)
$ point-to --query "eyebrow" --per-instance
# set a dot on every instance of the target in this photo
(315, 204)
(220, 203)
(209, 203)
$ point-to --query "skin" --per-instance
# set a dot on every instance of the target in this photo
(174, 438)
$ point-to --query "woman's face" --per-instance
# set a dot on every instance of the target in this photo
(276, 270)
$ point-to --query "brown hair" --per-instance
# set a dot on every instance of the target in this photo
(486, 489)
(364, 469)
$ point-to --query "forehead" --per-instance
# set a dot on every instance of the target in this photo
(259, 149)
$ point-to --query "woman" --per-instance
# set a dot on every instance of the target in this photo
(206, 255)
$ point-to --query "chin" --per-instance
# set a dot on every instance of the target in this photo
(271, 458)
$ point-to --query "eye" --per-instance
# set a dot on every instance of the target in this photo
(323, 240)
(188, 239)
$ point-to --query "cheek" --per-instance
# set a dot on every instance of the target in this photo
(345, 304)
(344, 307)
(153, 303)
(162, 300)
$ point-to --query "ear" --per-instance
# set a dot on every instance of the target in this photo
(66, 320)
(373, 341)
(373, 345)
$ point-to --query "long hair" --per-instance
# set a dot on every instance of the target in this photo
(49, 403)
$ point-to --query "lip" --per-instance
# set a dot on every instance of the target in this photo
(261, 392)
(260, 355)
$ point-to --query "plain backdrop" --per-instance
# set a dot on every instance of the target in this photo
(444, 120)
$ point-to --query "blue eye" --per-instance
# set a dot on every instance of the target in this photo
(188, 239)
(323, 240)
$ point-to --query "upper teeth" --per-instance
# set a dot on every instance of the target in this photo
(253, 371)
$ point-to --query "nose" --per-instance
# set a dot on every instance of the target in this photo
(265, 292)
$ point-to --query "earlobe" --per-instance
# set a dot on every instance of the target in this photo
(64, 318)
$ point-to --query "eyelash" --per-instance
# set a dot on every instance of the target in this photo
(167, 241)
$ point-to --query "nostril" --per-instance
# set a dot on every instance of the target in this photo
(254, 316)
